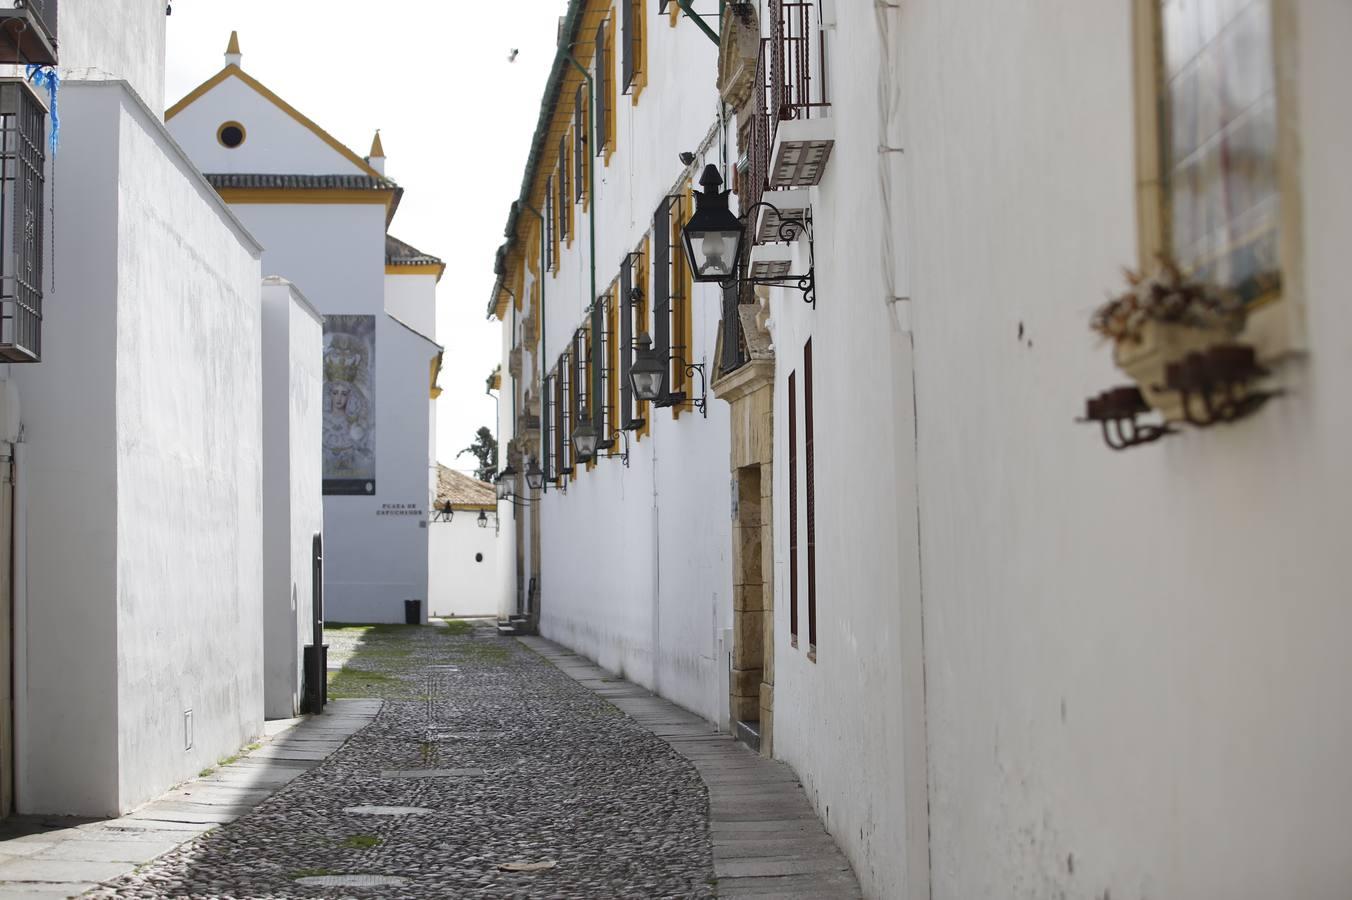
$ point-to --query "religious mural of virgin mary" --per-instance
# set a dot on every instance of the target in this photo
(349, 405)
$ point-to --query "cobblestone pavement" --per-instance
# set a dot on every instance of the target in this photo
(494, 758)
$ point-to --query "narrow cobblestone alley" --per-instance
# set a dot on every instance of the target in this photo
(484, 754)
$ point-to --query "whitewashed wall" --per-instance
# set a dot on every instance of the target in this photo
(274, 142)
(412, 299)
(293, 381)
(335, 254)
(143, 572)
(635, 568)
(463, 567)
(1124, 654)
(114, 39)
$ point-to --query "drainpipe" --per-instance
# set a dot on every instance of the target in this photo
(685, 6)
(598, 409)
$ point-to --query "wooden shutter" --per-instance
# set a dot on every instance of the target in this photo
(811, 499)
(564, 199)
(549, 223)
(627, 338)
(602, 90)
(628, 28)
(793, 507)
(580, 144)
(662, 288)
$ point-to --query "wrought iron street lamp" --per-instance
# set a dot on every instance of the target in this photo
(483, 518)
(713, 236)
(535, 476)
(443, 513)
(506, 482)
(714, 239)
(585, 438)
(649, 370)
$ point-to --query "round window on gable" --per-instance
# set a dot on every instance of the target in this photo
(231, 135)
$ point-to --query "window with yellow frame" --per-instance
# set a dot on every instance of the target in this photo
(1215, 184)
(682, 289)
(642, 325)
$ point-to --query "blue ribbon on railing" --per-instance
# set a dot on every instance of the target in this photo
(46, 76)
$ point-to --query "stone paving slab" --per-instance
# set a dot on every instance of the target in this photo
(767, 839)
(43, 856)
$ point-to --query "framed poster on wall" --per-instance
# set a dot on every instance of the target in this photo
(350, 405)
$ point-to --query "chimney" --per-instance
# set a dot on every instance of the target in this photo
(377, 158)
(232, 54)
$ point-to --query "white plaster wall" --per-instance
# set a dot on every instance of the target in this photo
(635, 561)
(373, 563)
(461, 583)
(1133, 662)
(292, 485)
(67, 742)
(141, 474)
(274, 143)
(189, 446)
(412, 299)
(114, 39)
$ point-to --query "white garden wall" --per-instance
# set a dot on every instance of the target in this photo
(293, 381)
(143, 572)
(463, 567)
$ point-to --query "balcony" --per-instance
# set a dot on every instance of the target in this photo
(803, 131)
(28, 32)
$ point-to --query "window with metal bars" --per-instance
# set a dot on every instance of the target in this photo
(632, 324)
(547, 416)
(793, 508)
(811, 510)
(602, 78)
(563, 452)
(551, 239)
(580, 185)
(662, 293)
(565, 200)
(631, 36)
(581, 371)
(23, 131)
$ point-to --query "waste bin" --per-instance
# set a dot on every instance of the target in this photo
(412, 612)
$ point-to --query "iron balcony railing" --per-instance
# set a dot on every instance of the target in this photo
(797, 61)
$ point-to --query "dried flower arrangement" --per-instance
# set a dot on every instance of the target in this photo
(1167, 296)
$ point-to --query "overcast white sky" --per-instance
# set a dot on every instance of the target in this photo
(456, 120)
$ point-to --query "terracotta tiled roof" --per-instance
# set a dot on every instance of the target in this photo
(304, 182)
(398, 253)
(462, 490)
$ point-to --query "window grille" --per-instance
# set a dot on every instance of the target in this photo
(563, 448)
(793, 507)
(582, 387)
(602, 80)
(547, 428)
(23, 130)
(627, 338)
